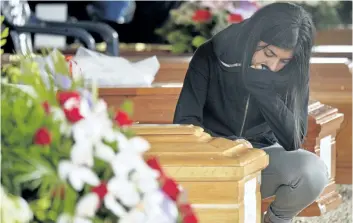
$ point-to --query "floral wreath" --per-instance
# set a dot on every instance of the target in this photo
(69, 159)
(194, 22)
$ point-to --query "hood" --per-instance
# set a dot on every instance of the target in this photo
(227, 46)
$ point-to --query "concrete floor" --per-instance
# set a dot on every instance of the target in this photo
(341, 215)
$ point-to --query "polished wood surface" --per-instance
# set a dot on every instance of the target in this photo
(221, 177)
(331, 84)
(151, 105)
(156, 107)
(334, 37)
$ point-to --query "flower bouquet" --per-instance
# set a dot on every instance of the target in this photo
(194, 22)
(67, 158)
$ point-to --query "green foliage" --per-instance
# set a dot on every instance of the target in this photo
(128, 107)
(184, 34)
(25, 165)
(4, 34)
(324, 15)
(31, 170)
(198, 41)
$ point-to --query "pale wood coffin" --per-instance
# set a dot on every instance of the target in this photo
(221, 177)
(156, 105)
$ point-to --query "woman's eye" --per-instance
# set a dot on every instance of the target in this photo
(268, 54)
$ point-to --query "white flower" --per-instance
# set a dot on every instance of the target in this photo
(156, 207)
(129, 160)
(136, 144)
(14, 209)
(160, 208)
(65, 218)
(130, 157)
(146, 179)
(89, 133)
(125, 163)
(58, 115)
(124, 190)
(89, 204)
(134, 216)
(77, 175)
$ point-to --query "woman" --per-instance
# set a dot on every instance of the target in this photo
(251, 81)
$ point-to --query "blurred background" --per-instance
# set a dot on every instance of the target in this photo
(173, 26)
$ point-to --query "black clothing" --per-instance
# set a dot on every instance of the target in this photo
(226, 104)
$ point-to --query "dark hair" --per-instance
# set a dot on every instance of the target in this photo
(287, 26)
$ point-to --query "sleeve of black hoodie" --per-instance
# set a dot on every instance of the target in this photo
(279, 117)
(189, 109)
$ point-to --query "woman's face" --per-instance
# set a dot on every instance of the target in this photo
(271, 57)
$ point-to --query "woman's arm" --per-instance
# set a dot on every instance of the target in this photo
(189, 109)
(276, 113)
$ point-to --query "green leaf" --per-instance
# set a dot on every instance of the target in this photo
(179, 48)
(198, 41)
(69, 200)
(5, 33)
(2, 42)
(127, 107)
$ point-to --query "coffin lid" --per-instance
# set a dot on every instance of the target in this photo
(186, 152)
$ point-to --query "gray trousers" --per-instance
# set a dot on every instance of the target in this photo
(296, 178)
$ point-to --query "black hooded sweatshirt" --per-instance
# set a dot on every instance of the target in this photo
(216, 97)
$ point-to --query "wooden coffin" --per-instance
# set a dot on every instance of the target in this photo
(221, 177)
(334, 37)
(156, 105)
(331, 84)
(333, 51)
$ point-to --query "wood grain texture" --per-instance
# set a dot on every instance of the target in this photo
(324, 120)
(216, 182)
(331, 84)
(334, 37)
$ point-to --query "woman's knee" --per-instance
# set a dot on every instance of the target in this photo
(312, 174)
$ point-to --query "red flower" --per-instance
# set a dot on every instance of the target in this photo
(187, 213)
(202, 15)
(73, 115)
(42, 137)
(154, 164)
(101, 190)
(235, 18)
(122, 118)
(68, 57)
(63, 96)
(185, 209)
(46, 107)
(171, 189)
(190, 219)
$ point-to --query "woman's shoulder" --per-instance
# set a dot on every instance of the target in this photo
(203, 55)
(205, 50)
